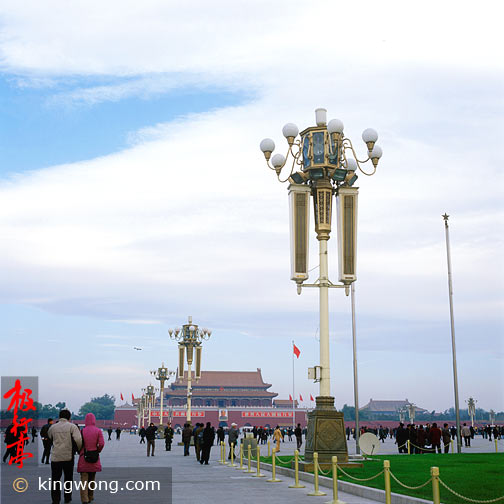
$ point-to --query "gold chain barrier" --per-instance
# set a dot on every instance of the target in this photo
(258, 474)
(409, 487)
(335, 499)
(273, 478)
(361, 479)
(232, 456)
(467, 498)
(249, 454)
(240, 468)
(296, 471)
(316, 492)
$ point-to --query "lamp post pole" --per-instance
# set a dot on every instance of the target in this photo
(162, 374)
(356, 381)
(452, 322)
(324, 164)
(190, 337)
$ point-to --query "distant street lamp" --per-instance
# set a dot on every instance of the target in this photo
(411, 412)
(162, 374)
(150, 397)
(492, 417)
(471, 409)
(402, 414)
(190, 337)
(324, 163)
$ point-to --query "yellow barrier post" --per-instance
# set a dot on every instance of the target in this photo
(435, 485)
(296, 471)
(273, 478)
(232, 456)
(335, 499)
(496, 450)
(221, 456)
(386, 472)
(409, 449)
(249, 452)
(241, 458)
(223, 453)
(258, 474)
(269, 447)
(316, 492)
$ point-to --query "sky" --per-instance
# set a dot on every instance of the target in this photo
(133, 193)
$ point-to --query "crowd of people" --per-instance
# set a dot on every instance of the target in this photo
(429, 437)
(63, 440)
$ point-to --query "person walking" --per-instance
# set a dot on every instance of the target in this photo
(435, 435)
(221, 435)
(198, 440)
(186, 438)
(208, 437)
(109, 431)
(34, 433)
(89, 457)
(277, 436)
(118, 434)
(466, 434)
(141, 433)
(46, 442)
(233, 435)
(64, 435)
(298, 432)
(150, 434)
(446, 438)
(168, 436)
(10, 438)
(402, 439)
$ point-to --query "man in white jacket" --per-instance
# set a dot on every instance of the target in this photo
(63, 435)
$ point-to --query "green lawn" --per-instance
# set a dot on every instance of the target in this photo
(477, 476)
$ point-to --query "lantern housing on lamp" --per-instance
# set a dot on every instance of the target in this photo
(347, 234)
(299, 209)
(197, 371)
(180, 369)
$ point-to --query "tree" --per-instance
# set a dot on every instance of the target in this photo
(102, 407)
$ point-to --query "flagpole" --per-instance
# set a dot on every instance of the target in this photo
(293, 395)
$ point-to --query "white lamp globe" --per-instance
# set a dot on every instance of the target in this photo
(335, 126)
(278, 160)
(351, 164)
(290, 130)
(369, 135)
(267, 145)
(376, 153)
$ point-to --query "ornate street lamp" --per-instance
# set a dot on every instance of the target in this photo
(162, 374)
(150, 397)
(323, 163)
(471, 409)
(190, 337)
(492, 417)
(411, 412)
(402, 414)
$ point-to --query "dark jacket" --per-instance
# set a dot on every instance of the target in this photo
(208, 436)
(150, 432)
(186, 435)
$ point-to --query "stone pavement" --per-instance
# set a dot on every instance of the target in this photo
(192, 483)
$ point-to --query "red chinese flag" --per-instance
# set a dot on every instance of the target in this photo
(300, 397)
(122, 398)
(132, 397)
(297, 352)
(290, 397)
(311, 398)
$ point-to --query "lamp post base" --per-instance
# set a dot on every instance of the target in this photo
(326, 432)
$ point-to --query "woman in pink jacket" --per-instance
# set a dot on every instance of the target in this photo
(92, 438)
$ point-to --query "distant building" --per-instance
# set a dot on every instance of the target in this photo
(284, 403)
(378, 408)
(222, 389)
